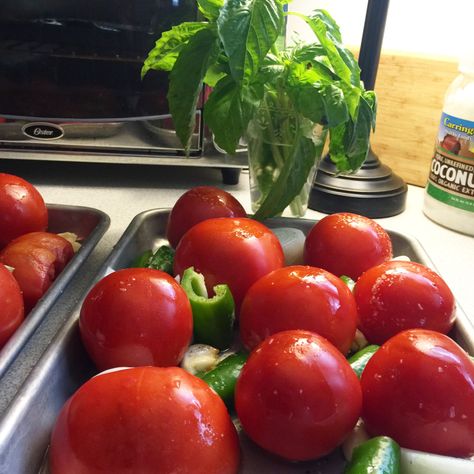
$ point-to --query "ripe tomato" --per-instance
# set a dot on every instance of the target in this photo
(297, 396)
(22, 208)
(418, 388)
(37, 259)
(399, 295)
(198, 204)
(347, 244)
(299, 297)
(144, 420)
(11, 304)
(136, 316)
(233, 251)
(59, 246)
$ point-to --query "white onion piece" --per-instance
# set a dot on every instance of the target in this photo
(72, 239)
(359, 341)
(200, 358)
(402, 258)
(357, 436)
(292, 241)
(109, 371)
(416, 462)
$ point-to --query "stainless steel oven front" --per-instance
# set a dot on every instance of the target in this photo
(71, 88)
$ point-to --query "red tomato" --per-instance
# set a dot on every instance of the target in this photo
(136, 316)
(37, 259)
(22, 208)
(233, 251)
(347, 244)
(198, 204)
(59, 246)
(418, 388)
(145, 420)
(400, 295)
(11, 304)
(297, 396)
(299, 297)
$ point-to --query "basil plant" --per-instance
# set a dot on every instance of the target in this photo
(237, 50)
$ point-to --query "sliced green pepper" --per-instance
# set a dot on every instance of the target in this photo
(213, 318)
(162, 259)
(359, 360)
(223, 377)
(143, 259)
(380, 455)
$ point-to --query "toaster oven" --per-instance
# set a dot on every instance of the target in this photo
(71, 88)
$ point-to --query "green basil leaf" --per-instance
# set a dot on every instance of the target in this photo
(302, 53)
(186, 80)
(337, 151)
(323, 103)
(371, 99)
(227, 114)
(358, 140)
(331, 26)
(215, 73)
(349, 142)
(210, 8)
(312, 55)
(341, 59)
(316, 97)
(248, 29)
(291, 179)
(167, 48)
(352, 95)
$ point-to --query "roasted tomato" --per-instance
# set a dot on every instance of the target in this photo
(299, 297)
(400, 295)
(22, 208)
(347, 244)
(233, 251)
(11, 304)
(144, 420)
(418, 388)
(37, 259)
(198, 204)
(297, 396)
(136, 316)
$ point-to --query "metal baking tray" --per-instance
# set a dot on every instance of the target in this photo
(26, 426)
(89, 225)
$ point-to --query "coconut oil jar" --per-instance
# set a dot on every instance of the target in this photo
(449, 193)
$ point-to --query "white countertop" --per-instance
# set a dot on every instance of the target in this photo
(123, 191)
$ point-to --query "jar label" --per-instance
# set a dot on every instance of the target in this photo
(451, 178)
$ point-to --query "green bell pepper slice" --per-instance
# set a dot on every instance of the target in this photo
(143, 259)
(380, 455)
(223, 377)
(214, 317)
(162, 259)
(359, 360)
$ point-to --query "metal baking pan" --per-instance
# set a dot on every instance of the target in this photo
(26, 426)
(89, 225)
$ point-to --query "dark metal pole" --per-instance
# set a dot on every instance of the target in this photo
(371, 44)
(374, 191)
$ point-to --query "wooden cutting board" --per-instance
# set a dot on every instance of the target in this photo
(410, 91)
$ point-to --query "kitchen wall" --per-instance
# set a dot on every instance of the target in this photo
(422, 43)
(431, 27)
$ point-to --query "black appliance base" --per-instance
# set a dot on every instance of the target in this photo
(374, 191)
